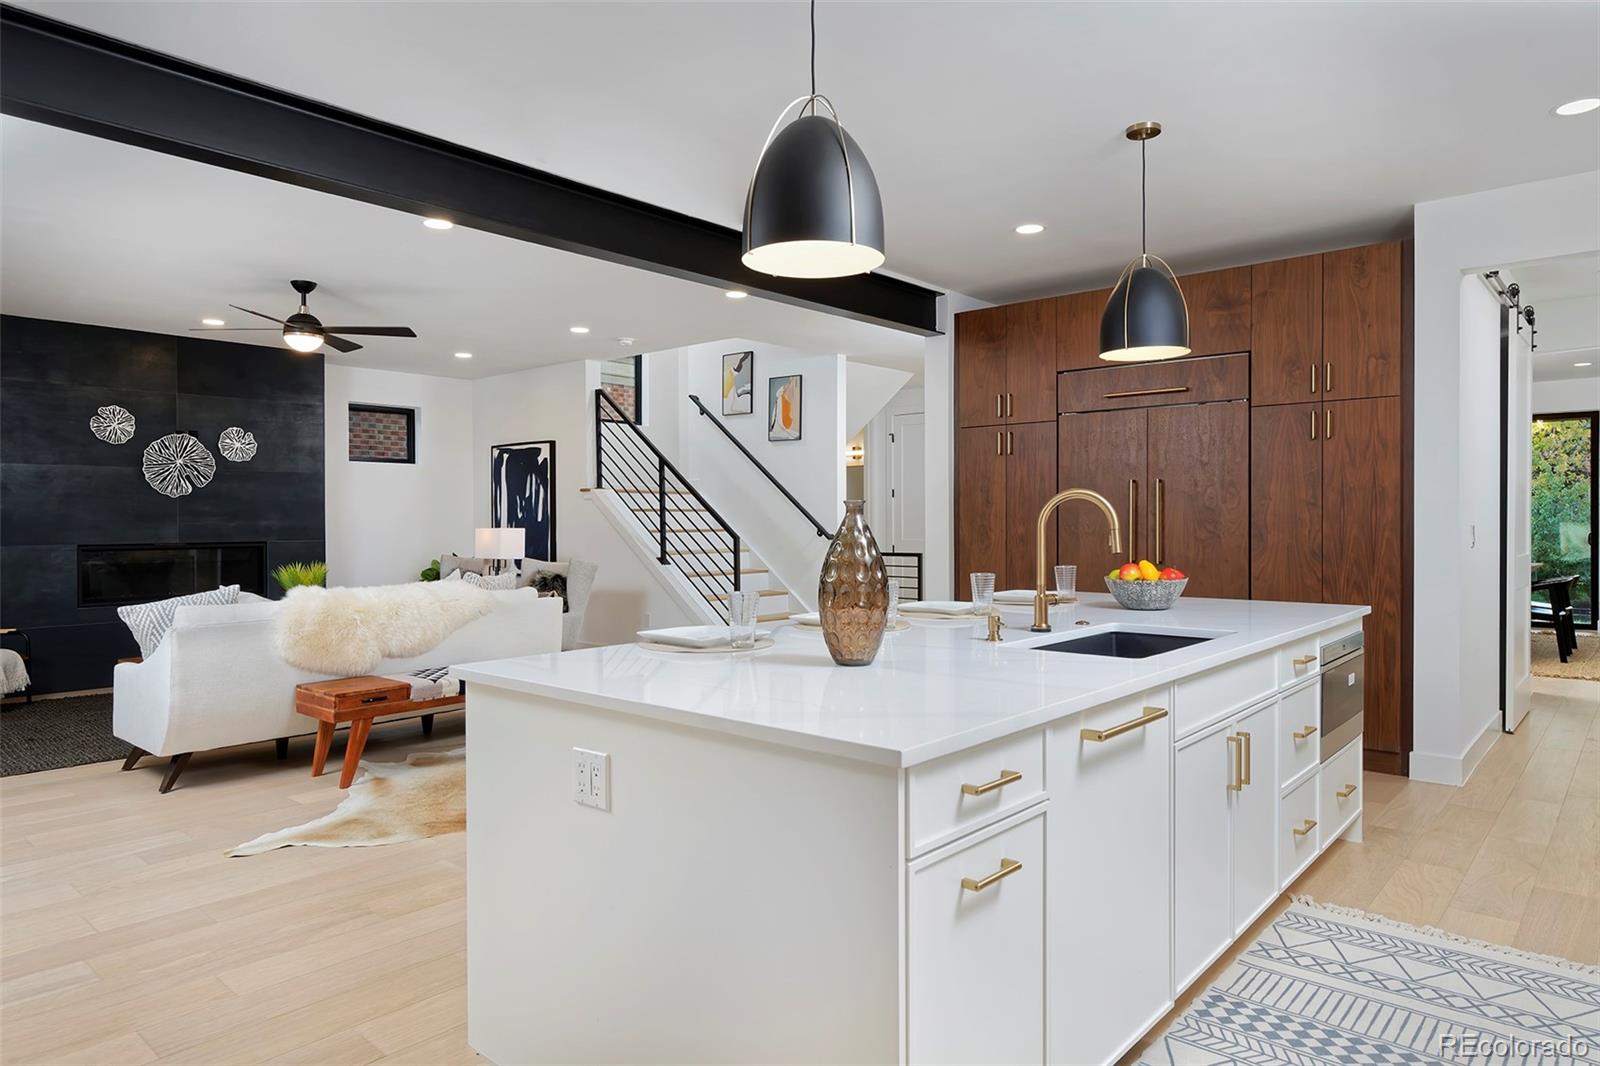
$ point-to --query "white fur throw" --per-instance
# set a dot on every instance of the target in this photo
(346, 631)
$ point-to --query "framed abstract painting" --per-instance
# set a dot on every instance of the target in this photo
(522, 492)
(738, 383)
(783, 408)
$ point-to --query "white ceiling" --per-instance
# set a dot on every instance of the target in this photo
(1289, 126)
(108, 234)
(1565, 295)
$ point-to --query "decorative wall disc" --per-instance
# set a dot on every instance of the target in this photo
(177, 464)
(113, 424)
(236, 445)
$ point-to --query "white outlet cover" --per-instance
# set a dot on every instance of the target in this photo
(591, 773)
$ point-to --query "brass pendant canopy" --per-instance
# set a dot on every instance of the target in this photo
(1146, 318)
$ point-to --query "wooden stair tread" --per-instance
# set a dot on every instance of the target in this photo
(670, 510)
(779, 617)
(723, 596)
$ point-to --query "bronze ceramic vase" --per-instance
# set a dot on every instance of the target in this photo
(853, 595)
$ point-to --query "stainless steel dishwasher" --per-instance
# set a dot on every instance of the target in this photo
(1343, 685)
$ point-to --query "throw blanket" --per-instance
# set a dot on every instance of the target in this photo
(347, 631)
(13, 672)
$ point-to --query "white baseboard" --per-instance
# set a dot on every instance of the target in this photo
(1456, 769)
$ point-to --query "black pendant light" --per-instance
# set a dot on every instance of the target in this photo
(1146, 318)
(813, 209)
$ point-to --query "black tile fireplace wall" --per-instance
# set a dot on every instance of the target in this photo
(60, 486)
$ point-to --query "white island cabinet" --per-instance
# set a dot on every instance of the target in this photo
(966, 852)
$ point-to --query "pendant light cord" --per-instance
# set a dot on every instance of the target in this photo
(1144, 224)
(813, 56)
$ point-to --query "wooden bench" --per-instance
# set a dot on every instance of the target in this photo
(358, 701)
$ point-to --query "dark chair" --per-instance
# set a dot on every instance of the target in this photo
(1557, 614)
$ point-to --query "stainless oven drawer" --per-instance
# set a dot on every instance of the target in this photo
(1343, 686)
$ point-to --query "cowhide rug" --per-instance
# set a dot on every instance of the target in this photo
(390, 802)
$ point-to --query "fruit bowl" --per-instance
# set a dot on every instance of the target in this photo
(1146, 595)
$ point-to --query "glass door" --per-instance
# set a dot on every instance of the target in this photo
(1564, 499)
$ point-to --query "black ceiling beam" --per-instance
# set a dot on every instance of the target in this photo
(63, 75)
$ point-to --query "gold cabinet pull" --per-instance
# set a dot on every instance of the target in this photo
(1304, 829)
(1304, 660)
(1346, 792)
(999, 406)
(1007, 777)
(1313, 379)
(1237, 784)
(1008, 405)
(1146, 392)
(1327, 423)
(1011, 445)
(1007, 868)
(999, 442)
(1301, 734)
(1244, 774)
(1151, 714)
(1161, 500)
(1327, 377)
(1313, 423)
(1133, 518)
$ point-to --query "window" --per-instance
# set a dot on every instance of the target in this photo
(623, 380)
(382, 434)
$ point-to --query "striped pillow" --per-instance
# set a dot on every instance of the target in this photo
(149, 622)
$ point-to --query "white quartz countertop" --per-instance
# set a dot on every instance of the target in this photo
(934, 689)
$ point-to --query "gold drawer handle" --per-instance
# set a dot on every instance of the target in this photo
(1346, 792)
(1304, 660)
(1151, 714)
(1007, 868)
(1007, 777)
(1303, 830)
(1301, 734)
(1244, 773)
(1147, 392)
(1237, 784)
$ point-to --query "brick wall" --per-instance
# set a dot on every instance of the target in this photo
(624, 397)
(380, 436)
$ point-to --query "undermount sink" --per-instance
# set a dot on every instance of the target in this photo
(1123, 644)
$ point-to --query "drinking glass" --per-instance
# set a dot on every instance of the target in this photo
(1066, 583)
(983, 601)
(892, 616)
(742, 607)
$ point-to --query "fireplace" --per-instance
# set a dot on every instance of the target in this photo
(111, 575)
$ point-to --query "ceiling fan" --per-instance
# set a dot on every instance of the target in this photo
(304, 332)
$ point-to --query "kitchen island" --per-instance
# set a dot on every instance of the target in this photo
(965, 852)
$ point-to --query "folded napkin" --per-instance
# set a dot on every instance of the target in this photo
(1015, 596)
(938, 608)
(692, 636)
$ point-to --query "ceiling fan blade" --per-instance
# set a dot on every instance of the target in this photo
(234, 329)
(339, 344)
(258, 314)
(372, 331)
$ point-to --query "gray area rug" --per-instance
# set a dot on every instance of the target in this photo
(51, 734)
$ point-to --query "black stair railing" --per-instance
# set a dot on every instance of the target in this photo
(821, 530)
(905, 568)
(628, 463)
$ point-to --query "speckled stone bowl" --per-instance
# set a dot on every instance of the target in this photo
(1146, 595)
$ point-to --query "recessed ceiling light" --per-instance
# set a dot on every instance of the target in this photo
(463, 355)
(1583, 364)
(1578, 107)
(1028, 229)
(578, 329)
(735, 294)
(438, 223)
(212, 322)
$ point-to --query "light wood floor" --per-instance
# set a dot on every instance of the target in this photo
(126, 937)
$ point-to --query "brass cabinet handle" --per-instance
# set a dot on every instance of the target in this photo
(1151, 714)
(1008, 405)
(1304, 660)
(1303, 830)
(1327, 377)
(1301, 734)
(1313, 379)
(1237, 784)
(1161, 524)
(1007, 777)
(999, 406)
(999, 442)
(1244, 774)
(1313, 423)
(1133, 518)
(1007, 868)
(1011, 445)
(1327, 423)
(1146, 392)
(1346, 792)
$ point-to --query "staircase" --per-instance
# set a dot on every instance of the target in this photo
(682, 530)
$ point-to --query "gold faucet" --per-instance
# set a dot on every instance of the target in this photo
(1042, 598)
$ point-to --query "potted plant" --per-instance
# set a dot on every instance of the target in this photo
(291, 574)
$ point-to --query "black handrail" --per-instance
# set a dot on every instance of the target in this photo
(715, 421)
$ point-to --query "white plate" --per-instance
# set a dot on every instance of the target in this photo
(761, 644)
(813, 620)
(938, 608)
(692, 636)
(1015, 597)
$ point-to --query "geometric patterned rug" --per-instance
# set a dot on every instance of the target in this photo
(1334, 985)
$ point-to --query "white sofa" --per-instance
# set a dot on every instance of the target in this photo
(217, 679)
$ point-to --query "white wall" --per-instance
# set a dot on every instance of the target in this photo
(1559, 397)
(939, 389)
(1481, 231)
(386, 521)
(557, 403)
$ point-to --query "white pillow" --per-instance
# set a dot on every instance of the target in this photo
(490, 581)
(149, 622)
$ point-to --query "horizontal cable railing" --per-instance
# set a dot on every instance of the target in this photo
(905, 568)
(821, 531)
(688, 531)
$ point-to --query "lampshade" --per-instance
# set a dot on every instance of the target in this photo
(500, 543)
(1146, 318)
(813, 209)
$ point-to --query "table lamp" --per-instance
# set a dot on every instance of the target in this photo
(499, 545)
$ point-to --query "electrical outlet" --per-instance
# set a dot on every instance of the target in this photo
(591, 778)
